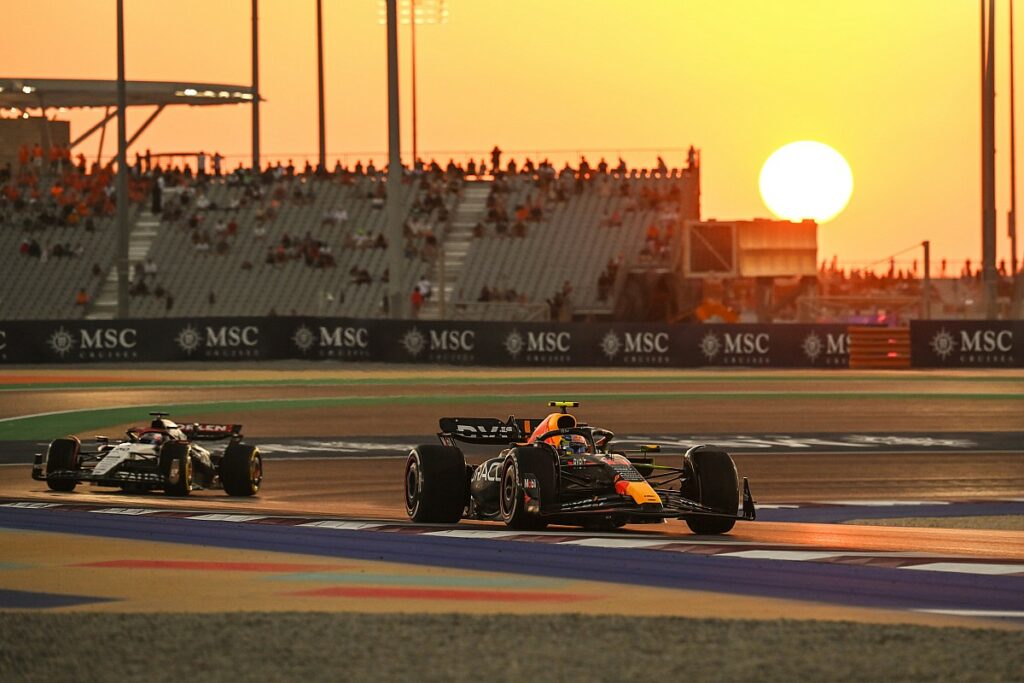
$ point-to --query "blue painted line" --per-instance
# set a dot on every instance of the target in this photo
(12, 599)
(13, 565)
(419, 580)
(819, 582)
(829, 514)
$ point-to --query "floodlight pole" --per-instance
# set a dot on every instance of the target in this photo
(412, 27)
(1016, 277)
(396, 269)
(988, 164)
(322, 164)
(122, 173)
(926, 283)
(255, 87)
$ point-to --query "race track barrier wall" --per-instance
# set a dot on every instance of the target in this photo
(934, 344)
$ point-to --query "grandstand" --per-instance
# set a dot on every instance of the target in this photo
(535, 244)
(300, 244)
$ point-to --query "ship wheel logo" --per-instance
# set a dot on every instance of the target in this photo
(812, 346)
(943, 344)
(304, 338)
(414, 342)
(514, 343)
(710, 345)
(61, 342)
(188, 339)
(611, 345)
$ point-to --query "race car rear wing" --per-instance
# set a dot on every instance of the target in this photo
(486, 430)
(213, 432)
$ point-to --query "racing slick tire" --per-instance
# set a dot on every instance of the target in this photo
(176, 468)
(436, 484)
(241, 470)
(715, 485)
(532, 462)
(62, 455)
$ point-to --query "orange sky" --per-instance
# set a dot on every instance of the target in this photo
(893, 86)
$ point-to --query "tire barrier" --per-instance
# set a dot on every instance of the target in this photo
(783, 345)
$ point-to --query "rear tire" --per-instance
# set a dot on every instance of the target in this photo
(717, 486)
(62, 455)
(241, 470)
(436, 484)
(176, 468)
(512, 495)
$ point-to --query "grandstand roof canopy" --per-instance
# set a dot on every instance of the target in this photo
(33, 93)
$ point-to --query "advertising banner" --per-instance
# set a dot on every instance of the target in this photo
(967, 343)
(935, 344)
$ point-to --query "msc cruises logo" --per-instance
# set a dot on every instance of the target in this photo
(62, 342)
(636, 347)
(220, 341)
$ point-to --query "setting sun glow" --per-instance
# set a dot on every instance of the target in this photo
(806, 180)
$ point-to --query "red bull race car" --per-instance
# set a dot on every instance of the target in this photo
(558, 470)
(161, 456)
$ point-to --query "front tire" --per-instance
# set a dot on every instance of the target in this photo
(241, 470)
(715, 484)
(176, 468)
(436, 484)
(512, 498)
(62, 455)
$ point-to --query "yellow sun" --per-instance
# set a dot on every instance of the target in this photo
(806, 179)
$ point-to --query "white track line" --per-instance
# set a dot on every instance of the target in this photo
(969, 568)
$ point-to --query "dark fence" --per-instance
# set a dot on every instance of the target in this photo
(967, 344)
(450, 342)
(935, 344)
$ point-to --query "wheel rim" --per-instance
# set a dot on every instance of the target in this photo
(412, 487)
(256, 471)
(509, 492)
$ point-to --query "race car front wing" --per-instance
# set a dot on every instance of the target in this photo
(673, 506)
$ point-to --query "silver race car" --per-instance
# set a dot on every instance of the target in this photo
(161, 456)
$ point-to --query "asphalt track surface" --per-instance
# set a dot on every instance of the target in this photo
(793, 563)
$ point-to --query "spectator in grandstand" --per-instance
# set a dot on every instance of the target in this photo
(149, 268)
(416, 299)
(613, 219)
(485, 294)
(82, 297)
(201, 164)
(211, 298)
(495, 160)
(217, 159)
(424, 287)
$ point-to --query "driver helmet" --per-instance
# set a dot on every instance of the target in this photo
(155, 438)
(575, 445)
